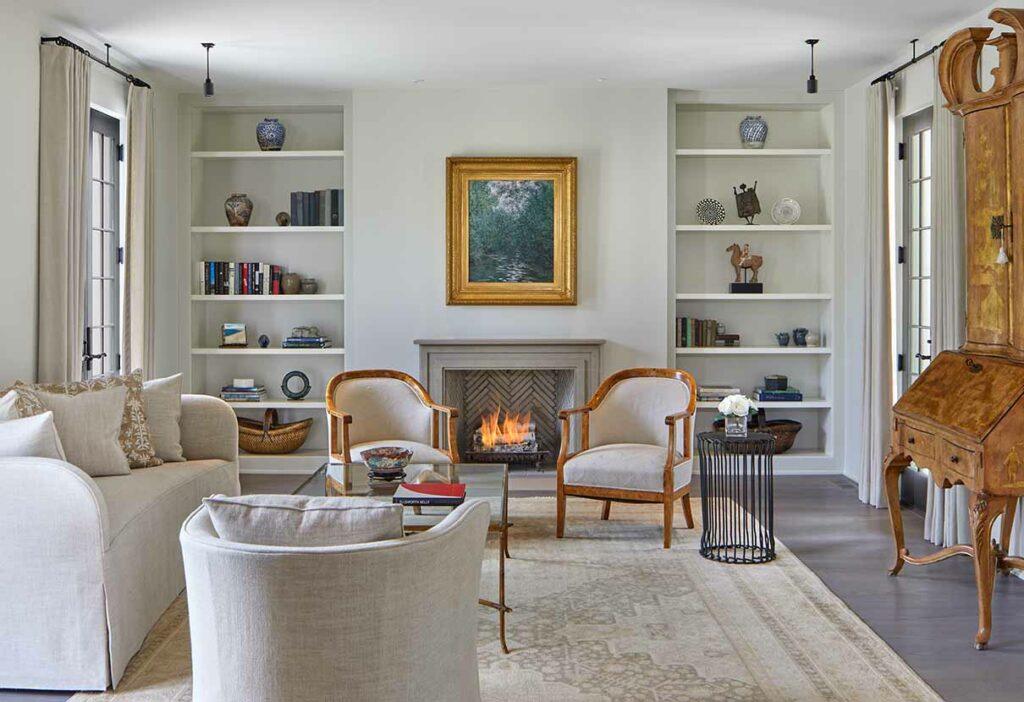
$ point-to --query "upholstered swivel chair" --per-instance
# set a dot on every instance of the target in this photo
(636, 444)
(388, 620)
(373, 408)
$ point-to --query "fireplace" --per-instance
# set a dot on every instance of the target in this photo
(509, 392)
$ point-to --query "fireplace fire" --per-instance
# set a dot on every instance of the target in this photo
(506, 437)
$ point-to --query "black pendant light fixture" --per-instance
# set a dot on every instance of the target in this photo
(812, 80)
(208, 84)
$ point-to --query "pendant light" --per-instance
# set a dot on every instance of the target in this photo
(208, 84)
(812, 80)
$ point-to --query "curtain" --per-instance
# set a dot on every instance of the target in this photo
(139, 304)
(63, 186)
(876, 389)
(946, 521)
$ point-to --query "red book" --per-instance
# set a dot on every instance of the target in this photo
(275, 280)
(430, 494)
(245, 278)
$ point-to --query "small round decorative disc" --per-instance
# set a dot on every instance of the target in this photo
(710, 211)
(786, 211)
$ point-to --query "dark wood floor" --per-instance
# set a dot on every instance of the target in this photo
(928, 615)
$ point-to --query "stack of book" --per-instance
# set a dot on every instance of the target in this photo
(697, 332)
(430, 494)
(306, 342)
(319, 208)
(237, 278)
(243, 393)
(787, 395)
(716, 393)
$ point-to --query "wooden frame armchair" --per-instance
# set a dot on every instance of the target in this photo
(626, 453)
(373, 408)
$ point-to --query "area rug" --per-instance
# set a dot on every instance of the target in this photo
(607, 614)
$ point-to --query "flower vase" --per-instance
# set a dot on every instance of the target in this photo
(735, 425)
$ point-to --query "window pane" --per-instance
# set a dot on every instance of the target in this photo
(109, 206)
(925, 252)
(97, 155)
(915, 205)
(915, 156)
(108, 158)
(95, 252)
(926, 153)
(95, 302)
(108, 346)
(109, 255)
(915, 362)
(97, 204)
(109, 302)
(96, 339)
(926, 203)
(915, 248)
(915, 302)
(926, 302)
(926, 346)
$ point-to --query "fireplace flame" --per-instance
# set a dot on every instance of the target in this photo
(511, 430)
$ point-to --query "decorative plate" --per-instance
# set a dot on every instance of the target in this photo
(710, 211)
(786, 211)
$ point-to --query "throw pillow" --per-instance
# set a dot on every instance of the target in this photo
(134, 432)
(9, 406)
(89, 425)
(30, 436)
(301, 521)
(25, 402)
(162, 398)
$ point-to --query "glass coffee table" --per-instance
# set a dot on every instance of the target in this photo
(483, 481)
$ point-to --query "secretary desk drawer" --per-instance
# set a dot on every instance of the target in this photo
(918, 443)
(958, 459)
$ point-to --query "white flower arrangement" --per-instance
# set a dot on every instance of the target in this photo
(737, 406)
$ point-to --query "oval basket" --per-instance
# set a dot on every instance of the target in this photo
(270, 437)
(785, 430)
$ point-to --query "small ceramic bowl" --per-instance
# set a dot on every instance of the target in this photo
(387, 459)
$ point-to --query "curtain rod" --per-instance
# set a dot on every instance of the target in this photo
(62, 41)
(892, 74)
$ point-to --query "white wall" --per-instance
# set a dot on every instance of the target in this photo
(19, 84)
(400, 141)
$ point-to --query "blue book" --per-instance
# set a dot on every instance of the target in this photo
(336, 206)
(294, 207)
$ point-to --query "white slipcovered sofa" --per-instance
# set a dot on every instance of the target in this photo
(385, 621)
(90, 564)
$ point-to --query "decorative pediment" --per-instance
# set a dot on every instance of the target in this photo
(960, 61)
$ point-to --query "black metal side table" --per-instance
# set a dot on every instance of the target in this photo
(736, 497)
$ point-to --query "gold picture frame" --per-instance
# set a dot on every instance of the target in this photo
(511, 231)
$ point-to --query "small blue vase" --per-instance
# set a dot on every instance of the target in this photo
(800, 336)
(753, 132)
(270, 134)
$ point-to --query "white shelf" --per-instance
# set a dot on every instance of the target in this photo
(273, 155)
(267, 352)
(320, 297)
(304, 461)
(813, 403)
(753, 351)
(747, 297)
(753, 152)
(268, 230)
(753, 228)
(276, 403)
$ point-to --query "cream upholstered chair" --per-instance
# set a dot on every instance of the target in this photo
(627, 452)
(385, 621)
(375, 408)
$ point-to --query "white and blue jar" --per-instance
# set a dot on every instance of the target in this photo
(270, 134)
(753, 132)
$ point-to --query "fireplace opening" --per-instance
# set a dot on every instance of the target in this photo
(510, 415)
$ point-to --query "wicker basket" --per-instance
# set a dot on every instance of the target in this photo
(270, 437)
(785, 430)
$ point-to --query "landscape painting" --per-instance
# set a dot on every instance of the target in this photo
(511, 231)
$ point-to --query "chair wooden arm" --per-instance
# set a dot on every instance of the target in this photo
(450, 415)
(566, 413)
(673, 418)
(444, 409)
(343, 416)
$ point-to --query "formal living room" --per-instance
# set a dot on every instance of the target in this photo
(583, 351)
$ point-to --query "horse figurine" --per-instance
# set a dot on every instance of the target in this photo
(741, 258)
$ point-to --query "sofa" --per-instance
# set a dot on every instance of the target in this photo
(384, 621)
(90, 564)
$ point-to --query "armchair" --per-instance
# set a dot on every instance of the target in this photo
(636, 444)
(372, 408)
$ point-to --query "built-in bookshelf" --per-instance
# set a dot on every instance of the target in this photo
(221, 157)
(799, 160)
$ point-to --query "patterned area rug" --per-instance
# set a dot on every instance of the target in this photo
(607, 614)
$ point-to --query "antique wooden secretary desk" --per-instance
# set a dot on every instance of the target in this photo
(963, 419)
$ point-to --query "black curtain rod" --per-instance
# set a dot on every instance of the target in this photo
(62, 41)
(892, 74)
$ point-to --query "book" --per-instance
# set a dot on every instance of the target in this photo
(337, 203)
(788, 395)
(430, 494)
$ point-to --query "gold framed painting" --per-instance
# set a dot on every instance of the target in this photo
(511, 231)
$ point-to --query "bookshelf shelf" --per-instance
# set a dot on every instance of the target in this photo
(323, 297)
(219, 157)
(801, 260)
(270, 155)
(268, 230)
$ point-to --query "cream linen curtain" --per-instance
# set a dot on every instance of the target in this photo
(876, 390)
(63, 187)
(139, 304)
(946, 521)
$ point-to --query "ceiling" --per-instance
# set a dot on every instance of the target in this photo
(341, 44)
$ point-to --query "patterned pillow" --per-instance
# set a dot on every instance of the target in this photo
(134, 439)
(25, 403)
